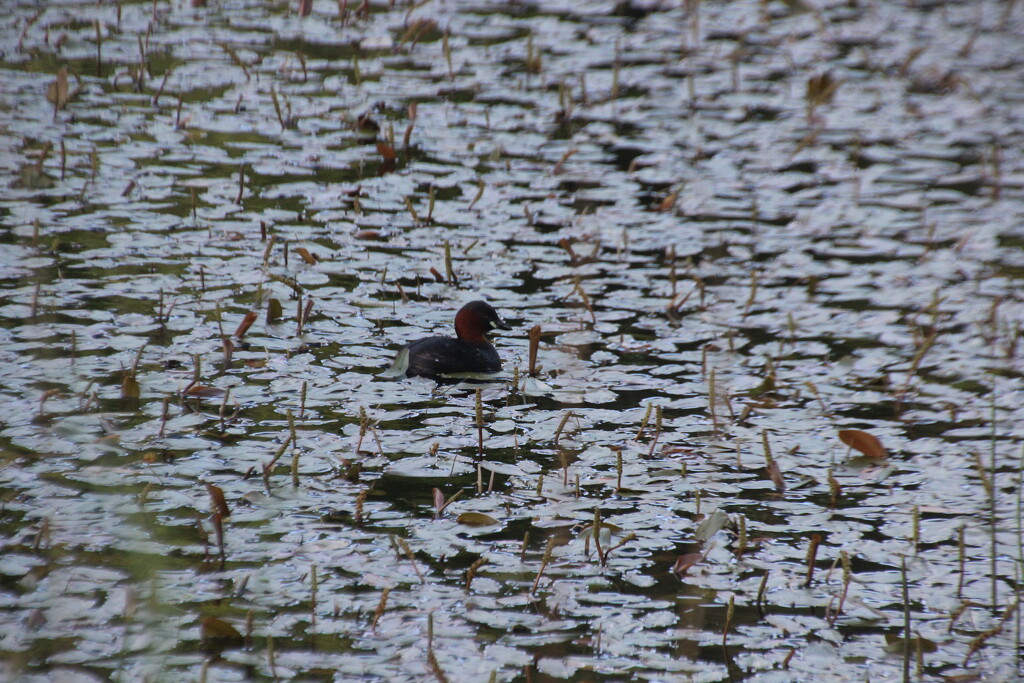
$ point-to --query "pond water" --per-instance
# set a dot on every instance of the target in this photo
(740, 227)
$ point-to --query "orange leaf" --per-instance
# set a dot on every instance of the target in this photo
(868, 444)
(386, 150)
(309, 258)
(246, 323)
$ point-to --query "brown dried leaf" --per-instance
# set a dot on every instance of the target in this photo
(204, 391)
(669, 202)
(535, 333)
(246, 323)
(821, 88)
(130, 387)
(775, 474)
(57, 93)
(309, 258)
(217, 500)
(868, 444)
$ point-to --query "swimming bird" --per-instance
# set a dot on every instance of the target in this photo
(468, 352)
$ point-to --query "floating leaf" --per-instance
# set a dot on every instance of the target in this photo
(476, 519)
(894, 643)
(868, 444)
(32, 176)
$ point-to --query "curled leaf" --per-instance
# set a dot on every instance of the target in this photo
(868, 444)
(387, 152)
(714, 523)
(399, 367)
(204, 391)
(246, 323)
(57, 93)
(130, 388)
(775, 474)
(309, 258)
(684, 562)
(217, 500)
(274, 311)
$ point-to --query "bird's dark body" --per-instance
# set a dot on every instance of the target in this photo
(436, 356)
(469, 352)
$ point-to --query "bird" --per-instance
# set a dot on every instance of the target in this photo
(469, 352)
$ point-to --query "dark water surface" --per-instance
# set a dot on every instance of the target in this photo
(741, 226)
